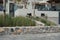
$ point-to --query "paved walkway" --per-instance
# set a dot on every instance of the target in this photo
(38, 23)
(52, 36)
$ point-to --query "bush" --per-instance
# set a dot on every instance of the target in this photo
(5, 21)
(1, 20)
(22, 21)
(15, 21)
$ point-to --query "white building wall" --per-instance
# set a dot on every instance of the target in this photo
(1, 12)
(7, 8)
(48, 13)
(23, 12)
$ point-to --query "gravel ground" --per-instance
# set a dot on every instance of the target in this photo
(47, 36)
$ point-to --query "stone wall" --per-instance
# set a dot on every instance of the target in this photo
(31, 30)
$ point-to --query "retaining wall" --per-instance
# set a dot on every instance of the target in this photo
(31, 30)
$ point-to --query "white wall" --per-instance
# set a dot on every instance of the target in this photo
(20, 12)
(1, 12)
(23, 12)
(48, 13)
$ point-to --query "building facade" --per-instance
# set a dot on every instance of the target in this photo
(39, 8)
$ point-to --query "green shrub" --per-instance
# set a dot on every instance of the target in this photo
(15, 21)
(5, 21)
(22, 21)
(1, 20)
(8, 21)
